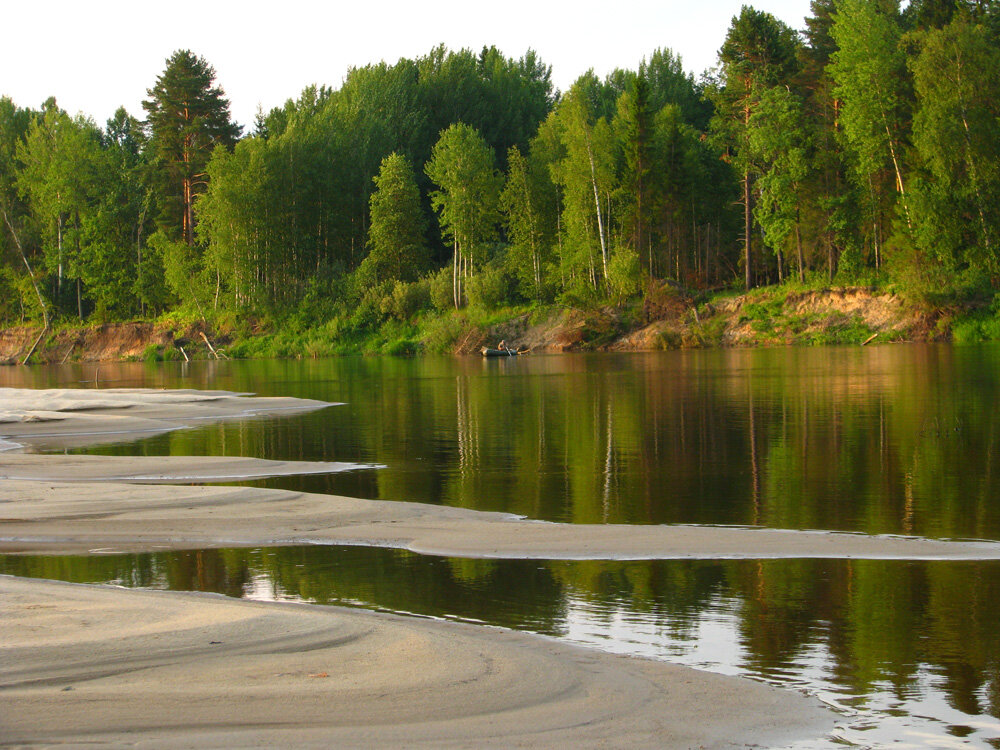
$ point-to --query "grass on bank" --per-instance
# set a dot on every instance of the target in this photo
(405, 322)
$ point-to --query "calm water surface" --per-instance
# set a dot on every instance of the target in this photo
(893, 439)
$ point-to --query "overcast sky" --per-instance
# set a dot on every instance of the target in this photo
(95, 57)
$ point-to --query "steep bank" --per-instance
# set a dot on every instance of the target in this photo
(668, 318)
(672, 318)
(107, 343)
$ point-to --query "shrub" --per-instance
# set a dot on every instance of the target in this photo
(489, 289)
(406, 300)
(442, 296)
(624, 274)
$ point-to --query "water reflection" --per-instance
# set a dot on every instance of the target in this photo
(908, 651)
(890, 439)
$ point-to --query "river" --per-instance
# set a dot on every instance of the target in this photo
(880, 440)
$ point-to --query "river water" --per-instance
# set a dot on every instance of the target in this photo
(888, 440)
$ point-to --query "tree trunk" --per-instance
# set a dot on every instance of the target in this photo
(747, 229)
(597, 203)
(31, 274)
(747, 214)
(798, 251)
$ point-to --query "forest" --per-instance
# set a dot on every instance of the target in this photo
(861, 150)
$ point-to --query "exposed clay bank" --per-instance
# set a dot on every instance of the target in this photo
(668, 318)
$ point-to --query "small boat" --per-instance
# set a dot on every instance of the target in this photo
(487, 352)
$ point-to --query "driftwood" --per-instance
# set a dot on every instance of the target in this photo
(35, 345)
(186, 359)
(216, 354)
(869, 339)
(68, 352)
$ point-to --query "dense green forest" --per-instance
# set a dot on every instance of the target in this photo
(862, 149)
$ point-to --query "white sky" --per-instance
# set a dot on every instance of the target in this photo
(96, 56)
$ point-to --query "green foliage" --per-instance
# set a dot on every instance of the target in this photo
(980, 325)
(870, 149)
(442, 332)
(462, 165)
(871, 81)
(441, 290)
(957, 82)
(406, 300)
(759, 53)
(490, 288)
(624, 274)
(521, 202)
(397, 250)
(188, 116)
(181, 271)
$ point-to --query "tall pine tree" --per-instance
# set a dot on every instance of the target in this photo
(188, 116)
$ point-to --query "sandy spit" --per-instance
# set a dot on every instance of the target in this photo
(68, 516)
(157, 469)
(70, 418)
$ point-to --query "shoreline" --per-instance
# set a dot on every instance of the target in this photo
(671, 318)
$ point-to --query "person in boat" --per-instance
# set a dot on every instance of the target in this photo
(502, 346)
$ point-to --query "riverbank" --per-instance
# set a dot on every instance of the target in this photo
(666, 318)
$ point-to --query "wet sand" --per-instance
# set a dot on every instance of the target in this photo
(93, 665)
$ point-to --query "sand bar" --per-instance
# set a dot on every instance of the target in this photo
(159, 469)
(79, 517)
(98, 666)
(70, 418)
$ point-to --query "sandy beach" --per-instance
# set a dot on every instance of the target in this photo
(107, 666)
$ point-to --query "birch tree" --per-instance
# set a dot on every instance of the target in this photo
(463, 167)
(957, 81)
(870, 76)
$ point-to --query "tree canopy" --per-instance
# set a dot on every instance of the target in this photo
(863, 149)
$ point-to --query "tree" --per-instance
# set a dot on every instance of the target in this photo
(397, 250)
(520, 203)
(114, 263)
(14, 125)
(462, 166)
(957, 82)
(586, 174)
(759, 52)
(633, 126)
(187, 117)
(668, 83)
(869, 70)
(61, 162)
(779, 143)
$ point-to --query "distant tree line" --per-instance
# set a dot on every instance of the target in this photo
(864, 148)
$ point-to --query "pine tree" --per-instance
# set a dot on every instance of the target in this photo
(188, 117)
(759, 52)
